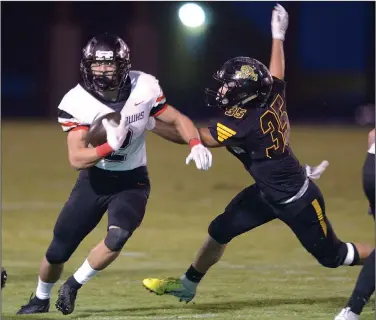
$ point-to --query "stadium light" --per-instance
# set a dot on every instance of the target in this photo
(192, 15)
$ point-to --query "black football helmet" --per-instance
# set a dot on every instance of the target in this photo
(105, 48)
(244, 81)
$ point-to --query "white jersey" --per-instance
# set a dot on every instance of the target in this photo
(372, 149)
(79, 108)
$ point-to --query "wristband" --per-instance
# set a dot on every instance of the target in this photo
(194, 142)
(104, 150)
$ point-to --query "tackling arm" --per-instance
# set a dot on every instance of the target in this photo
(170, 133)
(207, 139)
(189, 134)
(181, 125)
(167, 131)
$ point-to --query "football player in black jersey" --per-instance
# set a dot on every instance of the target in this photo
(4, 277)
(365, 285)
(253, 126)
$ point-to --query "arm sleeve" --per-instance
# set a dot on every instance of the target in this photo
(68, 122)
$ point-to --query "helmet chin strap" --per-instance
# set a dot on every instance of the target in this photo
(248, 99)
(114, 94)
(102, 80)
(110, 95)
(104, 92)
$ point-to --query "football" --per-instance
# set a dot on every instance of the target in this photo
(97, 133)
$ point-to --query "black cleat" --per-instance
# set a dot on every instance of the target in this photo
(35, 305)
(66, 299)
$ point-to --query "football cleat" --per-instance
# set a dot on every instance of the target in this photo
(35, 305)
(171, 286)
(347, 314)
(66, 299)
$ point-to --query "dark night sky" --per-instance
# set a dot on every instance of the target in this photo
(329, 49)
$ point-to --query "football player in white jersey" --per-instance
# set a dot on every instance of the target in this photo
(113, 176)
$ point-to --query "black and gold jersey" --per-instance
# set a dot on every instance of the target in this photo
(259, 138)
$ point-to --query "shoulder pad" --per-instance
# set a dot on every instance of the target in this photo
(145, 85)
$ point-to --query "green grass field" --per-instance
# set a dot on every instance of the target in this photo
(264, 274)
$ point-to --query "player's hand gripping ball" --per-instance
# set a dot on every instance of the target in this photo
(97, 134)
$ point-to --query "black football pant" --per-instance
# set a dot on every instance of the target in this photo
(124, 194)
(306, 217)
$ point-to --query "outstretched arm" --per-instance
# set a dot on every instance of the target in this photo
(180, 123)
(279, 26)
(178, 128)
(165, 130)
(169, 132)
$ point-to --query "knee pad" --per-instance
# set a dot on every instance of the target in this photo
(346, 255)
(59, 251)
(218, 231)
(116, 239)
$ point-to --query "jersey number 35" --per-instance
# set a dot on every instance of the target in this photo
(275, 123)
